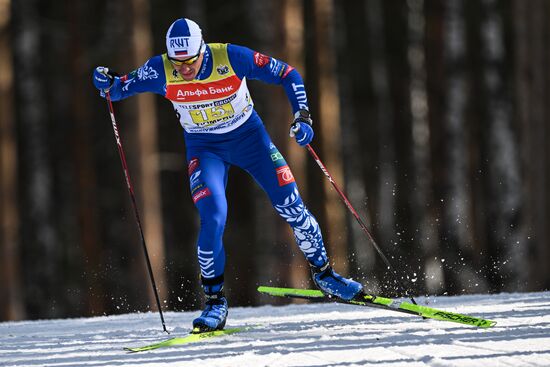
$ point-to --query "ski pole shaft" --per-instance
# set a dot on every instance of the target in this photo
(134, 205)
(359, 220)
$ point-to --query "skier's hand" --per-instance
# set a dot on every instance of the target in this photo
(301, 129)
(103, 78)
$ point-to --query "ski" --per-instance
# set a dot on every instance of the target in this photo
(381, 302)
(191, 338)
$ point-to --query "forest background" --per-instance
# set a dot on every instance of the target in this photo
(431, 115)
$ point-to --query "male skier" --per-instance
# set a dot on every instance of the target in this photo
(206, 84)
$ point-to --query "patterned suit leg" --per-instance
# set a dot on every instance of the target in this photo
(269, 168)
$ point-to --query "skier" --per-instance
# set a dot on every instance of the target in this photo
(207, 85)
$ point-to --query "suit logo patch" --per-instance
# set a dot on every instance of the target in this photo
(192, 166)
(222, 69)
(201, 194)
(261, 60)
(284, 175)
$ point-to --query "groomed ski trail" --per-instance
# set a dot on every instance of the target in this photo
(320, 334)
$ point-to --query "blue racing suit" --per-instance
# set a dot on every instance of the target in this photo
(221, 128)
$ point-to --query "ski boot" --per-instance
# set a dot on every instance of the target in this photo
(333, 284)
(214, 315)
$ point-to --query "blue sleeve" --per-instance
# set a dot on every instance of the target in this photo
(149, 77)
(254, 65)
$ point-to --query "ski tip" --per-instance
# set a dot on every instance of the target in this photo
(488, 323)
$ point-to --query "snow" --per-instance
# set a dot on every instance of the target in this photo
(298, 335)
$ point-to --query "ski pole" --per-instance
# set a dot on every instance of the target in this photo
(359, 220)
(133, 198)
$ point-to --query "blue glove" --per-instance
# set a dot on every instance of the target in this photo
(301, 129)
(103, 79)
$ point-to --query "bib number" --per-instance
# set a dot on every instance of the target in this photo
(212, 114)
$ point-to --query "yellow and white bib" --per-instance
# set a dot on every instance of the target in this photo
(217, 104)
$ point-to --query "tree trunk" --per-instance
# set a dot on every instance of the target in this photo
(384, 119)
(324, 103)
(293, 52)
(455, 236)
(531, 37)
(421, 203)
(83, 162)
(36, 162)
(356, 125)
(10, 283)
(504, 182)
(149, 175)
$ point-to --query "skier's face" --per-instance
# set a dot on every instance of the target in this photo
(189, 71)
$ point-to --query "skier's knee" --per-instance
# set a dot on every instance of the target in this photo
(214, 221)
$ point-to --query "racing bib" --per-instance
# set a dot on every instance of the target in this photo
(217, 104)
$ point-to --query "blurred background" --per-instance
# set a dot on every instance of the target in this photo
(431, 115)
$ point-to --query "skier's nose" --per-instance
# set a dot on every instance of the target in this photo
(184, 69)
